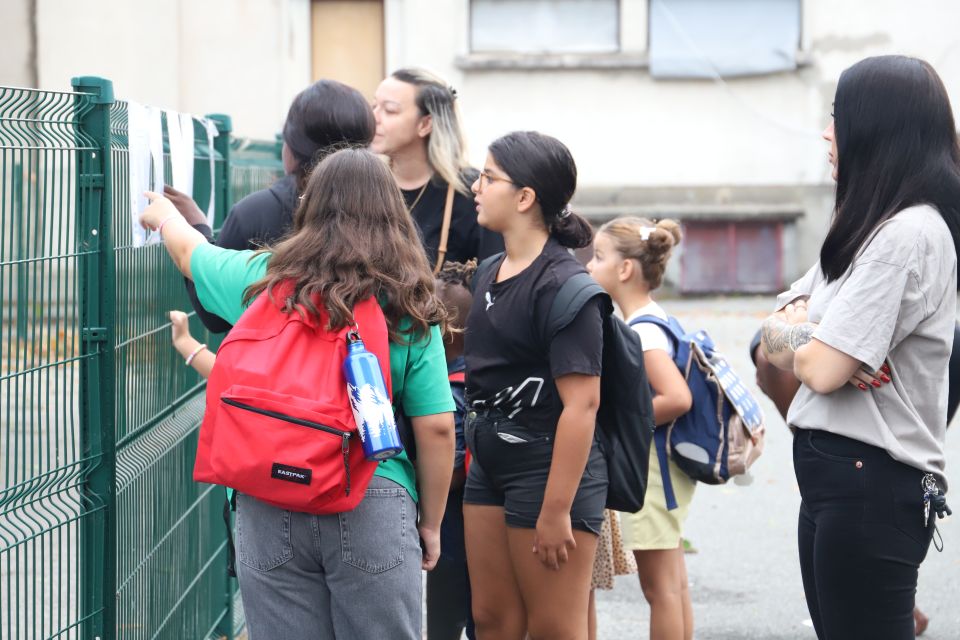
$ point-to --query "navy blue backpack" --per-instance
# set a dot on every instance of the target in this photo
(722, 434)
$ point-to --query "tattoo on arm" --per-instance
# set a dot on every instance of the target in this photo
(780, 336)
(800, 334)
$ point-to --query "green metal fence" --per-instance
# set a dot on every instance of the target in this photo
(103, 533)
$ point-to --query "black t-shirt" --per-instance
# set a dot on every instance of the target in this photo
(466, 239)
(511, 364)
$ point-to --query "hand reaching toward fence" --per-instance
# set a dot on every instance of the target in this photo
(194, 353)
(186, 205)
(180, 239)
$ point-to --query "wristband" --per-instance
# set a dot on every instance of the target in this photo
(165, 221)
(194, 354)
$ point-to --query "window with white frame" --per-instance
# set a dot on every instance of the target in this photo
(716, 38)
(544, 26)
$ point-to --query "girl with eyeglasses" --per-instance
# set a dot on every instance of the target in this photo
(536, 489)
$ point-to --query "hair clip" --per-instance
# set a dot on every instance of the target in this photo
(453, 93)
(565, 212)
(645, 232)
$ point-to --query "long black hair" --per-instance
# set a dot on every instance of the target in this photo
(896, 146)
(544, 164)
(326, 116)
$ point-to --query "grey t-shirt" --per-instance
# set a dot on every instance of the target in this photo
(898, 303)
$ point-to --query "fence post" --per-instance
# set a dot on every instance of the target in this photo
(97, 292)
(221, 144)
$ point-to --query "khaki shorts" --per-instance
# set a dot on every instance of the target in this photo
(654, 527)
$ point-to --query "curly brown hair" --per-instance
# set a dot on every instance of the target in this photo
(353, 238)
(647, 242)
(458, 273)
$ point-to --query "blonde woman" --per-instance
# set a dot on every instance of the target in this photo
(418, 129)
(629, 258)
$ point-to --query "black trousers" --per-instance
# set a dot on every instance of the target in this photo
(861, 536)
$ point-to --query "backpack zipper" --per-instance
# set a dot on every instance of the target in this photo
(344, 435)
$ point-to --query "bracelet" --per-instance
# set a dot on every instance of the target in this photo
(165, 221)
(194, 354)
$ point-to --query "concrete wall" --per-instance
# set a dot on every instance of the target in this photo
(642, 145)
(247, 58)
(16, 33)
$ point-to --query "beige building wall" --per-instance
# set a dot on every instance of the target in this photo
(16, 33)
(247, 58)
(743, 147)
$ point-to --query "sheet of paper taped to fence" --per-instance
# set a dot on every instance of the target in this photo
(145, 146)
(180, 135)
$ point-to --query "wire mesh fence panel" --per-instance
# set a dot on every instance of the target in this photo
(171, 551)
(43, 466)
(103, 532)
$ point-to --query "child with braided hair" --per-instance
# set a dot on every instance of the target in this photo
(448, 585)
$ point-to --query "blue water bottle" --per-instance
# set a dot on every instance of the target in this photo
(370, 402)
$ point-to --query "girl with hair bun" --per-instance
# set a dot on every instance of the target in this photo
(630, 256)
(536, 489)
(418, 129)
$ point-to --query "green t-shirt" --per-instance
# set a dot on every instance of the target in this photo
(418, 370)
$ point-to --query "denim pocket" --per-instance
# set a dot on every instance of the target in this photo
(830, 448)
(597, 464)
(829, 478)
(372, 535)
(263, 534)
(906, 495)
(517, 434)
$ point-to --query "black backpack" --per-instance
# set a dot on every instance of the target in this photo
(625, 416)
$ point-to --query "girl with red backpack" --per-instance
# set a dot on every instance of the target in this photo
(354, 574)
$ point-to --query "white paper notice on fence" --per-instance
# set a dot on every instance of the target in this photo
(145, 135)
(212, 133)
(180, 134)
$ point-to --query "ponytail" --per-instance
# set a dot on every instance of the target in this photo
(571, 230)
(545, 165)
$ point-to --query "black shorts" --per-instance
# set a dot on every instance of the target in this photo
(510, 466)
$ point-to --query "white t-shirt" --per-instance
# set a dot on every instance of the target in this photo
(651, 336)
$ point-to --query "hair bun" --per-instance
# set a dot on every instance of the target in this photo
(672, 227)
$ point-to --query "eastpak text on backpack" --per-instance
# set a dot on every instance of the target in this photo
(722, 434)
(278, 424)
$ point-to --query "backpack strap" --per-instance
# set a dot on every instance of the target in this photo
(672, 330)
(485, 265)
(573, 294)
(660, 434)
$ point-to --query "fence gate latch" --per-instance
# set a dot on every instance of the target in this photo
(94, 334)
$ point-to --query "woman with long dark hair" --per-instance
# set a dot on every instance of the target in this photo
(868, 332)
(354, 574)
(536, 489)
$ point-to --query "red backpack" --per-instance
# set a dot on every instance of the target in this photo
(278, 424)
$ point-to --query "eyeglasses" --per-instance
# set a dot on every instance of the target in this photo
(484, 176)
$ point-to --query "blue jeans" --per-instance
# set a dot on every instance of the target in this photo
(348, 575)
